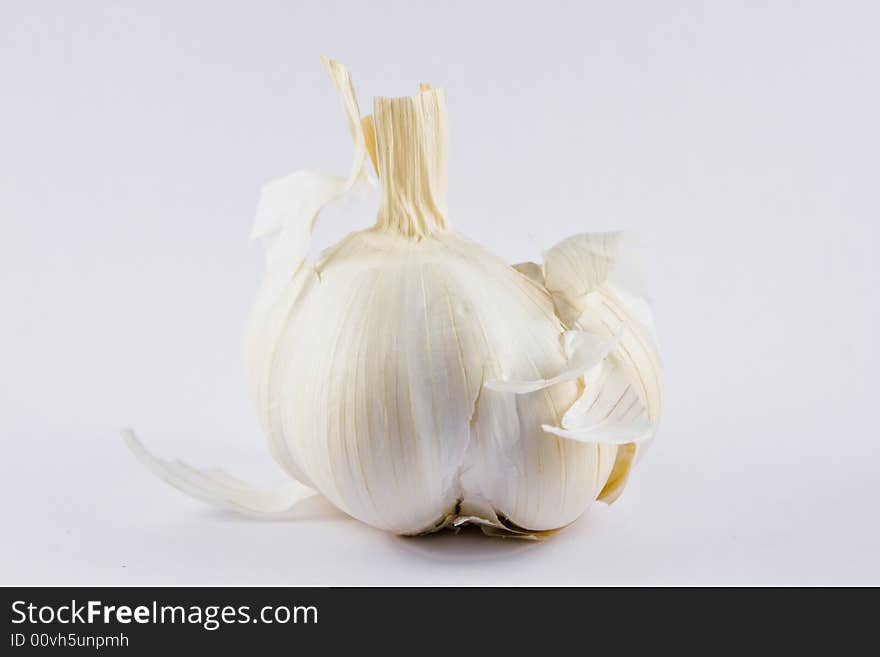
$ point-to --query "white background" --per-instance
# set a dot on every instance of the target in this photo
(740, 140)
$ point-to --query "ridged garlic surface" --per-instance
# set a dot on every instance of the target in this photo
(418, 381)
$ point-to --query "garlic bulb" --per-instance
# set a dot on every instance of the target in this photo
(418, 381)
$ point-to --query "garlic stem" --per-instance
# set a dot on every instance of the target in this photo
(411, 149)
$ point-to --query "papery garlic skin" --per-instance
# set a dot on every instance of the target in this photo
(418, 381)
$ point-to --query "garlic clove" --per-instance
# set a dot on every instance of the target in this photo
(604, 313)
(596, 286)
(609, 411)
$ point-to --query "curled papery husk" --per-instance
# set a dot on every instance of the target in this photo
(420, 382)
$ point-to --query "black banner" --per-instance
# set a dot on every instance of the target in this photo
(147, 620)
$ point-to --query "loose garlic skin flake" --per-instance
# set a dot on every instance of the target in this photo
(419, 382)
